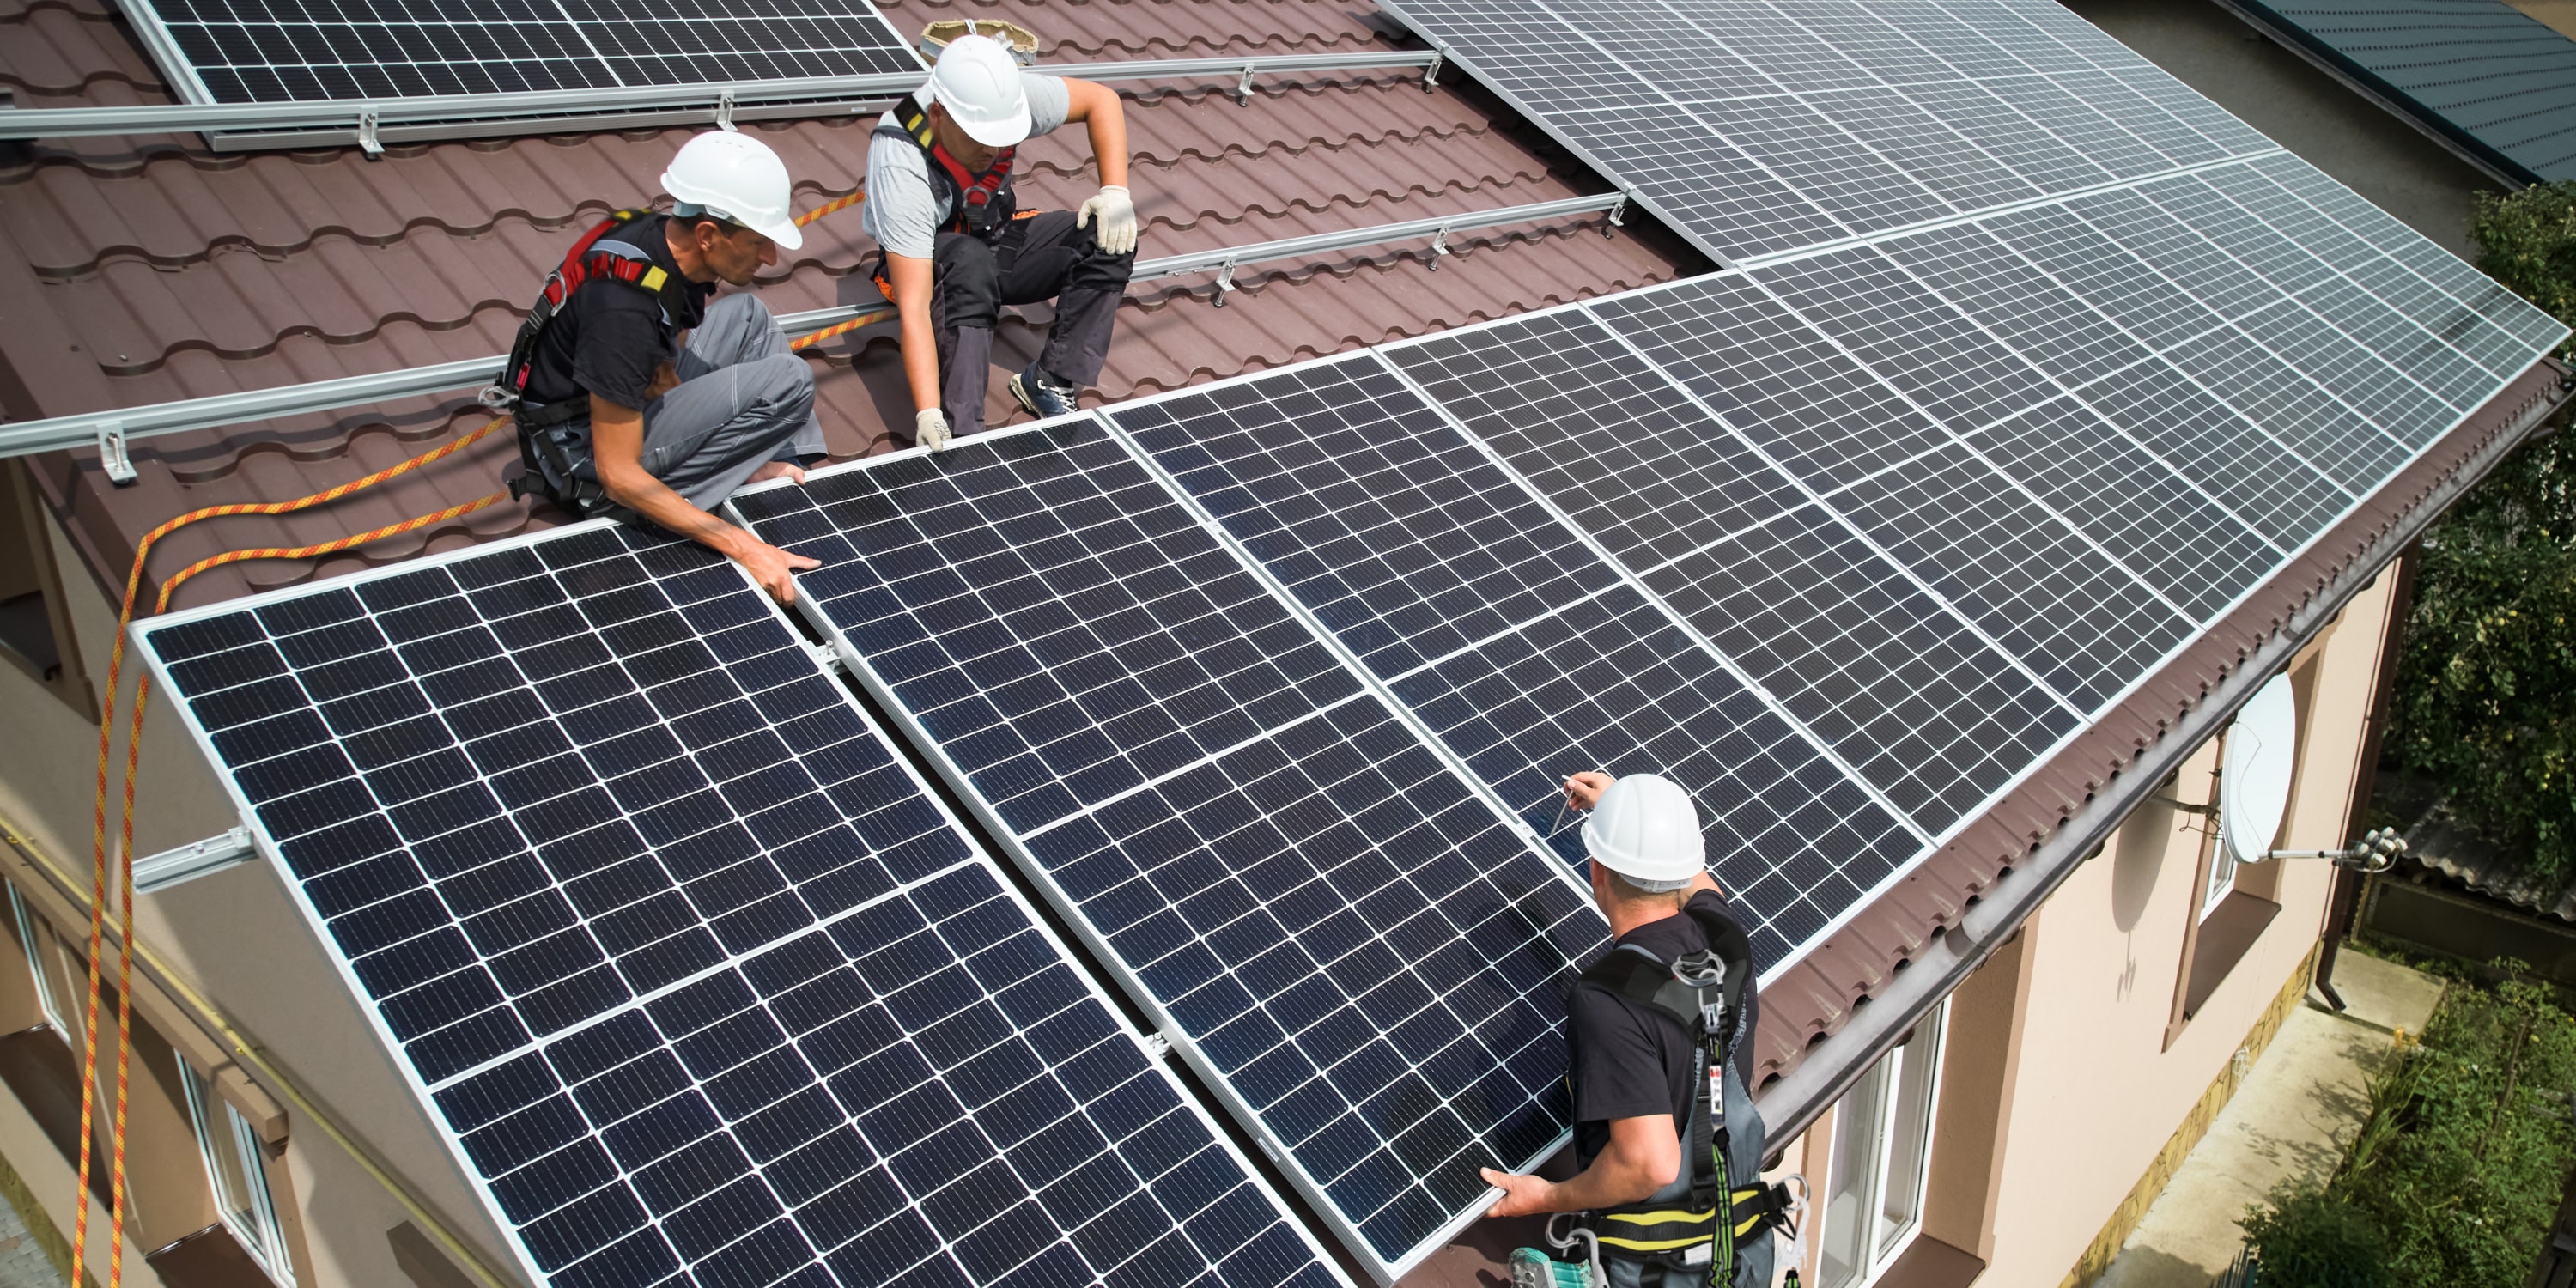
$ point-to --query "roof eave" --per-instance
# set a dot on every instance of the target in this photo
(2242, 652)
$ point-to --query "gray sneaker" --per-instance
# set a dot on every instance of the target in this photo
(1044, 395)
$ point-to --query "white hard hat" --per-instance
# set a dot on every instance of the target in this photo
(1646, 829)
(735, 178)
(979, 84)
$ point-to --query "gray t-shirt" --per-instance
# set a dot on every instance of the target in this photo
(903, 212)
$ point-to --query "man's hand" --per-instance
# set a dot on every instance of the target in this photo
(1583, 790)
(1522, 1195)
(1116, 212)
(770, 565)
(930, 428)
(777, 470)
(665, 379)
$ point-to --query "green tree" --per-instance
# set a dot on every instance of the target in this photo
(2486, 685)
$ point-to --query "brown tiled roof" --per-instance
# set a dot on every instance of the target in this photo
(147, 269)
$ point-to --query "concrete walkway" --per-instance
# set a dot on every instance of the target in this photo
(2292, 1117)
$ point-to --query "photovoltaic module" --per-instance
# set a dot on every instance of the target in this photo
(699, 982)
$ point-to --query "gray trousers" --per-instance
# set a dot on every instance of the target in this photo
(744, 400)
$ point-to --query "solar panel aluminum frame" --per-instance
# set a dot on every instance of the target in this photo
(140, 633)
(1318, 1203)
(1618, 571)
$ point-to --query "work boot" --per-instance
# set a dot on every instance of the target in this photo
(1044, 395)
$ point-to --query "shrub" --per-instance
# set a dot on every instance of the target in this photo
(2312, 1239)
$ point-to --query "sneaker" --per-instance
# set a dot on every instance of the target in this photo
(1044, 395)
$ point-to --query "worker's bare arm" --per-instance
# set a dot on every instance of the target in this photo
(1583, 790)
(1643, 1156)
(911, 281)
(1097, 107)
(617, 448)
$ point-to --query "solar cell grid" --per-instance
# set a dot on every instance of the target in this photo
(1791, 392)
(2266, 391)
(1600, 432)
(1311, 467)
(1934, 154)
(1956, 44)
(2028, 147)
(2207, 211)
(2079, 125)
(1775, 42)
(2396, 404)
(1857, 32)
(2014, 26)
(251, 51)
(1525, 51)
(2443, 371)
(1908, 336)
(2283, 496)
(2136, 506)
(1903, 691)
(1349, 941)
(1708, 187)
(2219, 280)
(1816, 159)
(2185, 104)
(2103, 274)
(677, 951)
(1663, 47)
(2135, 112)
(2019, 305)
(2081, 622)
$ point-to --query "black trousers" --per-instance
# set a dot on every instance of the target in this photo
(1042, 257)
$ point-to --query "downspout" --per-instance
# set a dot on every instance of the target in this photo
(2347, 883)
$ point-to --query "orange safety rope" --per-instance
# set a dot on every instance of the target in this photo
(834, 206)
(133, 757)
(840, 328)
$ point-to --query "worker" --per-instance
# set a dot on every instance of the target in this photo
(957, 247)
(638, 398)
(1639, 1068)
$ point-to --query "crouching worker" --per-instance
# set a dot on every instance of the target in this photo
(635, 397)
(1652, 1032)
(957, 248)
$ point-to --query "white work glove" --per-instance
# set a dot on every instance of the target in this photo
(1116, 212)
(930, 428)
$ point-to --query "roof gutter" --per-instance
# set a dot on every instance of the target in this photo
(2388, 98)
(1829, 1068)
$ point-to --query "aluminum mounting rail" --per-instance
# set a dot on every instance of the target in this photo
(109, 431)
(371, 123)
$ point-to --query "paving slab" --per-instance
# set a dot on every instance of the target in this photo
(2291, 1117)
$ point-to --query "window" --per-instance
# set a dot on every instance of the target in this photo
(2222, 876)
(36, 967)
(1882, 1151)
(236, 1167)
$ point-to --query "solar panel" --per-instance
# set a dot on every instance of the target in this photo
(1352, 944)
(1510, 637)
(1931, 717)
(698, 981)
(275, 51)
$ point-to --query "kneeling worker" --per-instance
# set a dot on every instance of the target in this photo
(637, 398)
(957, 249)
(1648, 1024)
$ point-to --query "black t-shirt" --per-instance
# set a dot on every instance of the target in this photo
(1630, 1060)
(611, 336)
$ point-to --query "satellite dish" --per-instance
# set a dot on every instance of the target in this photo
(2254, 787)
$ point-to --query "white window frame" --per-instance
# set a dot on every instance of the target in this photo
(1931, 1035)
(221, 1129)
(36, 966)
(2222, 876)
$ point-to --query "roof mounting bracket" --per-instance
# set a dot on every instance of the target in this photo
(1243, 88)
(156, 872)
(1154, 1045)
(1618, 216)
(1224, 281)
(724, 110)
(368, 142)
(111, 453)
(1439, 245)
(827, 657)
(1431, 73)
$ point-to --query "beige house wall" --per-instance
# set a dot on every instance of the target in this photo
(239, 940)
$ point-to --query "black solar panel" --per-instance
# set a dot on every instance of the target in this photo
(272, 51)
(1329, 920)
(1513, 640)
(700, 982)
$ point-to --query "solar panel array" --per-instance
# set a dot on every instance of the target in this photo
(1324, 916)
(280, 51)
(681, 957)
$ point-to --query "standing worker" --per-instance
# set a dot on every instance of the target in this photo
(1650, 1026)
(957, 248)
(636, 398)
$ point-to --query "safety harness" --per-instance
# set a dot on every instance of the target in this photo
(979, 204)
(1678, 1225)
(596, 256)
